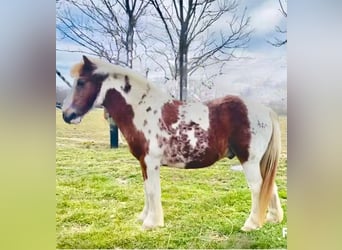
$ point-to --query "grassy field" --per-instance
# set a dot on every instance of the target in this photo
(99, 194)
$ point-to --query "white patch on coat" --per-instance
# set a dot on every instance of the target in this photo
(176, 124)
(68, 100)
(195, 112)
(107, 84)
(191, 136)
(145, 112)
(261, 128)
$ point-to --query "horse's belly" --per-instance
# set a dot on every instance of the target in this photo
(188, 145)
(195, 158)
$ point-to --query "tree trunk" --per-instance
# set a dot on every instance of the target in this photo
(183, 64)
(183, 77)
(129, 42)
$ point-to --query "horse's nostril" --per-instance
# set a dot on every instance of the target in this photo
(69, 117)
(66, 118)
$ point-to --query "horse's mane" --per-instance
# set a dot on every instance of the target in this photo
(106, 67)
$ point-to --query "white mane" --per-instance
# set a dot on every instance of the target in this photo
(106, 67)
(140, 85)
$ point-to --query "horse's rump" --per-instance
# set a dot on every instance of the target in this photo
(229, 127)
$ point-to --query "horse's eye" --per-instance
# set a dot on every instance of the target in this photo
(80, 83)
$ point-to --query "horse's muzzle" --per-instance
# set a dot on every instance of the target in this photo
(71, 117)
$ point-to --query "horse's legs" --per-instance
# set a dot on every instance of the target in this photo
(275, 212)
(154, 216)
(254, 179)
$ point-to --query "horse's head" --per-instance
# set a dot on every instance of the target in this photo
(87, 86)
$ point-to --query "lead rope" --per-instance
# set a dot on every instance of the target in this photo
(63, 78)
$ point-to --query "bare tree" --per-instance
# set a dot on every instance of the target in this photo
(280, 42)
(102, 28)
(193, 43)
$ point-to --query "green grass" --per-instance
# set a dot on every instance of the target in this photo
(99, 194)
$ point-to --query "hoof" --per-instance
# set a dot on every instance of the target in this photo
(250, 225)
(150, 223)
(272, 217)
(150, 226)
(248, 228)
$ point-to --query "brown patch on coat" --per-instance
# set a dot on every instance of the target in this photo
(123, 114)
(202, 157)
(209, 158)
(170, 113)
(143, 168)
(229, 127)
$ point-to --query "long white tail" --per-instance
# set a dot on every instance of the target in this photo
(268, 167)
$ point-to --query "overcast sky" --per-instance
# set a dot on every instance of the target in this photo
(264, 72)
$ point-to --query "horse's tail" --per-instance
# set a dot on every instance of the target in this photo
(268, 167)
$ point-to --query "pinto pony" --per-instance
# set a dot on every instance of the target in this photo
(161, 131)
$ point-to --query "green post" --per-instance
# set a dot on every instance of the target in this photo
(114, 134)
(113, 130)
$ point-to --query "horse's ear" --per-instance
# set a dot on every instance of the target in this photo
(87, 64)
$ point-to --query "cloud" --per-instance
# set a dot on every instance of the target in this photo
(262, 78)
(66, 56)
(265, 17)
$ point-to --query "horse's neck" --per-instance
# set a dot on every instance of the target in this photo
(146, 95)
(124, 108)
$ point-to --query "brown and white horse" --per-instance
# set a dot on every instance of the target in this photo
(161, 131)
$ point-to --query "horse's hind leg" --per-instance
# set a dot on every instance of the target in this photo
(254, 179)
(275, 212)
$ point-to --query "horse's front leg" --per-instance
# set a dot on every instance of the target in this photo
(144, 213)
(152, 214)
